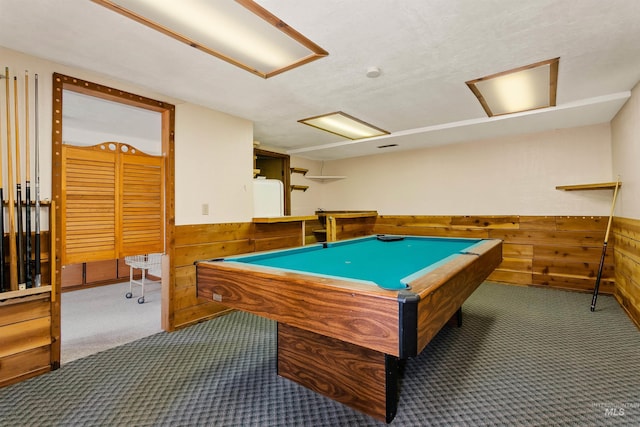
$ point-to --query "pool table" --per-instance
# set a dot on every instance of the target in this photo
(350, 312)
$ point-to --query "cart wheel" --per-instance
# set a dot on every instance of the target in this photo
(141, 300)
(128, 295)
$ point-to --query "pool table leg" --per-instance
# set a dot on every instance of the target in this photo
(456, 319)
(361, 378)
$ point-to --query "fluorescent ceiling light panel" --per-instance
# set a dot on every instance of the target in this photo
(240, 32)
(344, 125)
(521, 89)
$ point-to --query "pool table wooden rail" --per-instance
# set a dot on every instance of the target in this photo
(342, 338)
(349, 311)
(354, 312)
(443, 291)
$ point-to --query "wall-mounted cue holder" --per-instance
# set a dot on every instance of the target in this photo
(21, 249)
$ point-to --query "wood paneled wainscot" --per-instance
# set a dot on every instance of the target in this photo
(341, 225)
(97, 273)
(283, 231)
(626, 234)
(206, 241)
(553, 251)
(26, 343)
(25, 334)
(198, 242)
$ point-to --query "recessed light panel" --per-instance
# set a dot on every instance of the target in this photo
(522, 89)
(344, 125)
(240, 32)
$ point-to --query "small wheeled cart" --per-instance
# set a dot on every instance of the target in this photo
(149, 264)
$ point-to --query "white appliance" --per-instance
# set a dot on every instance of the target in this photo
(268, 198)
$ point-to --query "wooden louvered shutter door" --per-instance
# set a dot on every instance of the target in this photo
(89, 203)
(142, 203)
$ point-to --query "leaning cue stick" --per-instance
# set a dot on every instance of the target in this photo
(3, 284)
(27, 187)
(604, 247)
(13, 256)
(19, 230)
(36, 272)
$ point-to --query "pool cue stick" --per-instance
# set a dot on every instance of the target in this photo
(19, 229)
(3, 280)
(604, 247)
(13, 256)
(27, 186)
(36, 248)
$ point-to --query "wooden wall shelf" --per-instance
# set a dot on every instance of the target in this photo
(303, 171)
(299, 187)
(32, 203)
(324, 178)
(6, 297)
(276, 219)
(598, 186)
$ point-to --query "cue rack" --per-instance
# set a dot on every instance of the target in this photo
(20, 248)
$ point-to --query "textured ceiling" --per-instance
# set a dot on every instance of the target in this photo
(426, 50)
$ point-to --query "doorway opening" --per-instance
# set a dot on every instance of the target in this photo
(147, 125)
(272, 165)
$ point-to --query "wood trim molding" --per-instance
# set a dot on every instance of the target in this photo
(62, 82)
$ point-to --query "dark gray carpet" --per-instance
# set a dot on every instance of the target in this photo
(524, 356)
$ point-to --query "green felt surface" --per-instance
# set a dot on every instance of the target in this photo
(388, 264)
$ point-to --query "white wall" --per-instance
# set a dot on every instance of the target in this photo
(504, 176)
(90, 121)
(214, 166)
(17, 64)
(213, 150)
(84, 138)
(515, 175)
(625, 135)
